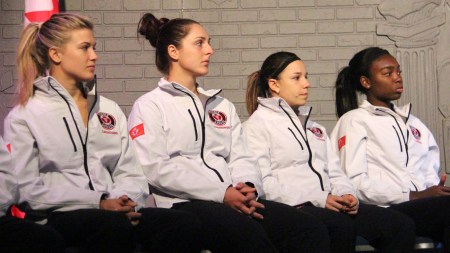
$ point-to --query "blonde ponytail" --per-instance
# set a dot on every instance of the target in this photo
(30, 64)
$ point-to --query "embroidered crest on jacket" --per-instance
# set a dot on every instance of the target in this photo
(217, 117)
(107, 121)
(416, 133)
(317, 132)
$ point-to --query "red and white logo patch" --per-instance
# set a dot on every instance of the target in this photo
(317, 132)
(416, 133)
(8, 147)
(217, 117)
(137, 131)
(107, 120)
(341, 142)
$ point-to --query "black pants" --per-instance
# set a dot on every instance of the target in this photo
(283, 229)
(387, 230)
(431, 217)
(18, 236)
(159, 230)
(167, 230)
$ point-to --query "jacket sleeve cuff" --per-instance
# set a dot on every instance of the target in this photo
(98, 197)
(406, 196)
(321, 200)
(221, 193)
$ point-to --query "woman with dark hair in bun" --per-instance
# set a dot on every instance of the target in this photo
(189, 142)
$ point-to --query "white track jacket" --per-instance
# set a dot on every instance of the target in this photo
(8, 185)
(187, 150)
(63, 166)
(386, 154)
(294, 155)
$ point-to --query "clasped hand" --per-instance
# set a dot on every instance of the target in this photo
(433, 191)
(122, 204)
(242, 198)
(346, 203)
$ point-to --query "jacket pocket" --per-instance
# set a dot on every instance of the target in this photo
(292, 132)
(398, 137)
(195, 124)
(70, 134)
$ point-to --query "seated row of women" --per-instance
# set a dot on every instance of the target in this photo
(76, 173)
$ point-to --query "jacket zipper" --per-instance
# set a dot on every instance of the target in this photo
(70, 134)
(307, 145)
(202, 121)
(292, 132)
(195, 124)
(87, 129)
(86, 169)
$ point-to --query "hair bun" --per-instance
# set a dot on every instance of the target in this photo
(149, 26)
(163, 22)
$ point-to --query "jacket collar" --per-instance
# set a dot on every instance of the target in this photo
(276, 104)
(280, 105)
(402, 111)
(48, 83)
(178, 89)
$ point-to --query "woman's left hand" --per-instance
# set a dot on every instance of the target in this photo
(351, 204)
(250, 194)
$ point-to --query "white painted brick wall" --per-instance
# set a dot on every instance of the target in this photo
(316, 13)
(325, 33)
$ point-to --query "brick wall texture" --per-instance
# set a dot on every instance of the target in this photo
(324, 33)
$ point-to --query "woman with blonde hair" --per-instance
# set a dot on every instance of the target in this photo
(71, 152)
